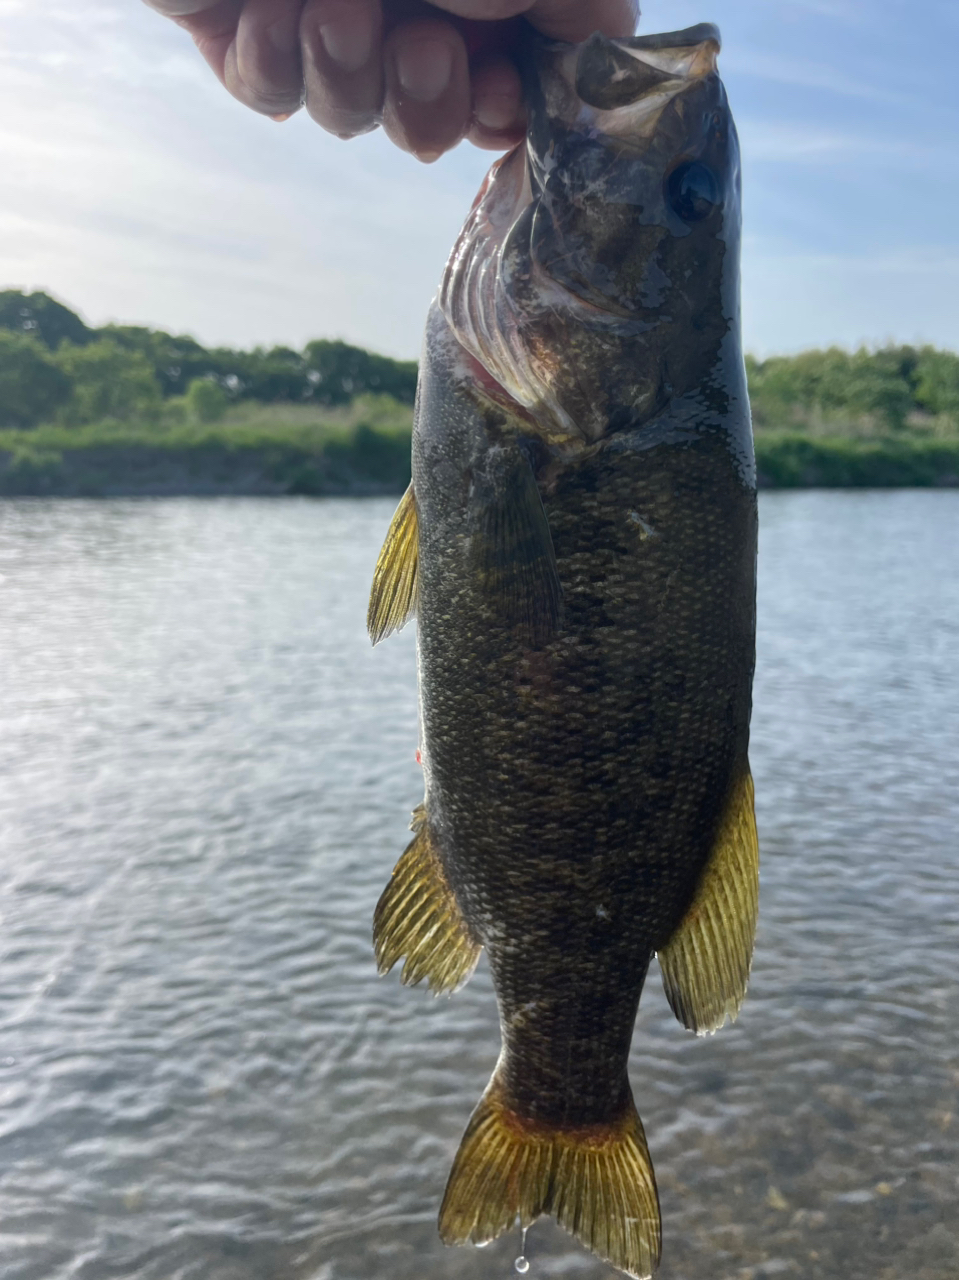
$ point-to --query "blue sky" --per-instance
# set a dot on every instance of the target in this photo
(135, 189)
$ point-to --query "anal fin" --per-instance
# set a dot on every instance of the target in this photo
(596, 1181)
(393, 594)
(418, 920)
(706, 962)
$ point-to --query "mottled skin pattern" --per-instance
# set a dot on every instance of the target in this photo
(574, 787)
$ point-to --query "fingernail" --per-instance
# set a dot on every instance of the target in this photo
(427, 157)
(287, 115)
(497, 113)
(284, 35)
(423, 68)
(348, 42)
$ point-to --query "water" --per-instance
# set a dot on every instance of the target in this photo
(205, 778)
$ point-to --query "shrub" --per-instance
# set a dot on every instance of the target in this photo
(206, 401)
(32, 386)
(109, 381)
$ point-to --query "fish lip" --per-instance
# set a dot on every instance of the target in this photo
(701, 33)
(687, 38)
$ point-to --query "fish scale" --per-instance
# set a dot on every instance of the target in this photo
(579, 546)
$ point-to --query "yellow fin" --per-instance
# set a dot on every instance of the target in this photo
(417, 917)
(706, 962)
(393, 594)
(597, 1182)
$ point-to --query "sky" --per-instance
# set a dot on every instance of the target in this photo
(136, 190)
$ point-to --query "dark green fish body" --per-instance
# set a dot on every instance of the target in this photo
(581, 538)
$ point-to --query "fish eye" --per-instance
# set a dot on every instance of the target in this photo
(693, 191)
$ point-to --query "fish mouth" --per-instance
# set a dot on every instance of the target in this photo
(614, 88)
(496, 293)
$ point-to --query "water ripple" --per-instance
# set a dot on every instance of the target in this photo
(205, 778)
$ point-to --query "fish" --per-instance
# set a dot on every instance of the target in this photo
(578, 546)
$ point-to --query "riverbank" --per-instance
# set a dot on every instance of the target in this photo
(796, 461)
(363, 449)
(339, 456)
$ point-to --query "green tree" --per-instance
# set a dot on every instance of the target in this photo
(176, 359)
(937, 381)
(109, 381)
(270, 376)
(43, 317)
(32, 386)
(206, 401)
(836, 386)
(878, 384)
(338, 372)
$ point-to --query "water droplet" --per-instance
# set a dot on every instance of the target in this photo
(522, 1262)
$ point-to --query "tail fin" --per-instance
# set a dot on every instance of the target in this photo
(596, 1181)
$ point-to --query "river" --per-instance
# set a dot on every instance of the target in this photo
(205, 779)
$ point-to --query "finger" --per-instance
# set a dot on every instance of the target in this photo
(214, 31)
(342, 43)
(179, 8)
(486, 10)
(499, 117)
(266, 58)
(559, 19)
(427, 106)
(575, 20)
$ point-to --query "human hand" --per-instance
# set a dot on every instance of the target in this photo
(431, 74)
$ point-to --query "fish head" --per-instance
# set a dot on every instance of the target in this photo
(597, 275)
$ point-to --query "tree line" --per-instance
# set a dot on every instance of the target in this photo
(55, 368)
(891, 388)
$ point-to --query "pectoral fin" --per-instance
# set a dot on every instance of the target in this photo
(706, 962)
(512, 548)
(393, 594)
(418, 919)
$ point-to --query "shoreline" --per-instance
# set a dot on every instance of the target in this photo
(379, 466)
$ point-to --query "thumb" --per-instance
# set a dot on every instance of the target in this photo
(575, 20)
(180, 8)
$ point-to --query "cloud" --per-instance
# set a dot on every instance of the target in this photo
(806, 73)
(786, 142)
(137, 190)
(798, 300)
(851, 11)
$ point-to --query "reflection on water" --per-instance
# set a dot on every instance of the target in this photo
(205, 776)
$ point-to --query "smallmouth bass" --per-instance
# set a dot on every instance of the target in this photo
(579, 547)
